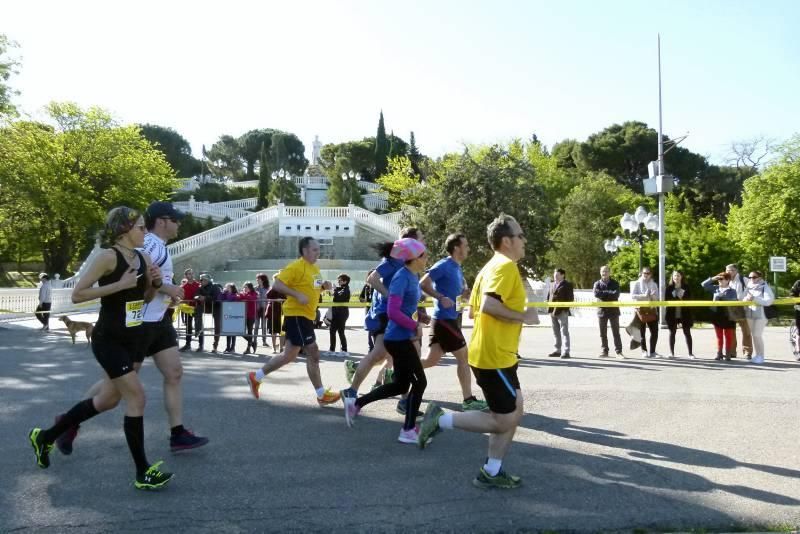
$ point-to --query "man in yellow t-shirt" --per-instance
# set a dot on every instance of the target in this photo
(497, 305)
(301, 282)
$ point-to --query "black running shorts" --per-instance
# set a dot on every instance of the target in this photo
(499, 388)
(116, 355)
(382, 321)
(299, 330)
(447, 334)
(160, 336)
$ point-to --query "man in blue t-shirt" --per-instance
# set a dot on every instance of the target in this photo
(445, 282)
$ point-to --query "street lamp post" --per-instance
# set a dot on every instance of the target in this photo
(635, 224)
(351, 178)
(279, 177)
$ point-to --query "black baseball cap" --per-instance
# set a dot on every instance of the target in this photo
(157, 210)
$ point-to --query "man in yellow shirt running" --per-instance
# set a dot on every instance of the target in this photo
(301, 282)
(497, 305)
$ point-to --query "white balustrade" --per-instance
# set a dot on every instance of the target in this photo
(246, 183)
(394, 217)
(224, 231)
(19, 304)
(243, 203)
(215, 211)
(376, 201)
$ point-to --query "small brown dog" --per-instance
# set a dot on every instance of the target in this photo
(76, 326)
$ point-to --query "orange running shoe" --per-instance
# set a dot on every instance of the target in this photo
(329, 397)
(253, 383)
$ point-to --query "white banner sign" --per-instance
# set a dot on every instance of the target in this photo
(233, 314)
(777, 264)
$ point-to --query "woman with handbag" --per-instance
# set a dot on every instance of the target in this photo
(761, 295)
(645, 289)
(678, 289)
(724, 317)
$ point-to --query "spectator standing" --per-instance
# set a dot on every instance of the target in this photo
(208, 303)
(190, 287)
(275, 317)
(560, 291)
(796, 293)
(249, 296)
(366, 296)
(644, 289)
(340, 314)
(761, 295)
(45, 301)
(723, 317)
(262, 288)
(678, 289)
(229, 294)
(607, 290)
(739, 283)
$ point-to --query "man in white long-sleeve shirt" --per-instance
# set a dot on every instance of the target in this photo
(739, 283)
(45, 301)
(645, 289)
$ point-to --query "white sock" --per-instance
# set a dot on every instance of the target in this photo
(493, 466)
(320, 391)
(446, 421)
(260, 375)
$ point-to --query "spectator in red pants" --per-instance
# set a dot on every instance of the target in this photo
(723, 317)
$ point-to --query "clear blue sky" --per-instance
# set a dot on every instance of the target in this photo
(453, 71)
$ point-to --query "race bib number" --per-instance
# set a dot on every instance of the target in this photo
(133, 313)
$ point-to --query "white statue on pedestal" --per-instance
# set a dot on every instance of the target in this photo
(316, 146)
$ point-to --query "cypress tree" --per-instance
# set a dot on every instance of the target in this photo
(264, 178)
(381, 149)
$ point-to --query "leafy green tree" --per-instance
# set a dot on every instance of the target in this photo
(768, 221)
(250, 149)
(8, 67)
(624, 150)
(381, 149)
(590, 214)
(401, 185)
(62, 178)
(224, 158)
(175, 147)
(464, 192)
(359, 155)
(213, 192)
(564, 153)
(697, 246)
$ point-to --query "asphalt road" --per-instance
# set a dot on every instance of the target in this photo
(607, 445)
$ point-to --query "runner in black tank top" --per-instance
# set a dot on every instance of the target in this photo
(126, 282)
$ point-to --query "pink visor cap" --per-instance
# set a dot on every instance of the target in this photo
(407, 249)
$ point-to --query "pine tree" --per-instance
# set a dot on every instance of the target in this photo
(264, 178)
(391, 145)
(381, 148)
(414, 155)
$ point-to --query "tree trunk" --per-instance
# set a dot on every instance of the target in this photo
(57, 252)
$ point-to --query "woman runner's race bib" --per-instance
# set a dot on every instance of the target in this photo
(133, 313)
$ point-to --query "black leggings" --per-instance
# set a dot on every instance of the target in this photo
(687, 333)
(408, 372)
(251, 340)
(653, 326)
(337, 327)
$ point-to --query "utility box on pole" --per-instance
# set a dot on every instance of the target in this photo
(662, 183)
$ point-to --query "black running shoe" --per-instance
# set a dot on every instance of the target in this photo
(186, 440)
(153, 479)
(40, 449)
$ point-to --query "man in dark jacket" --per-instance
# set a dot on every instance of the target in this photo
(208, 294)
(607, 290)
(560, 291)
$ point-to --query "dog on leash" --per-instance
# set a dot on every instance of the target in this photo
(77, 326)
